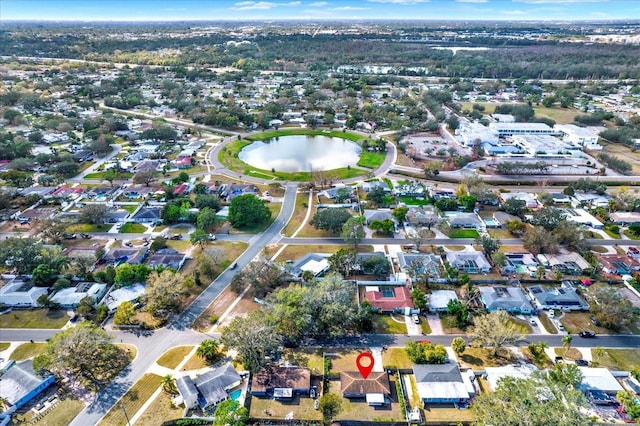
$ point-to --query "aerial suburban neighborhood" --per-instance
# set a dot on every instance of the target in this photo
(208, 222)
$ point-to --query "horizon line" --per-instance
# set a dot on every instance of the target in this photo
(509, 19)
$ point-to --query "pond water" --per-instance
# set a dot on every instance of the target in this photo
(301, 153)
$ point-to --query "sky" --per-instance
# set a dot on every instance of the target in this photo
(181, 10)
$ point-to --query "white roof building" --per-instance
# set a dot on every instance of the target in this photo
(123, 294)
(545, 145)
(71, 297)
(439, 300)
(586, 137)
(582, 217)
(20, 291)
(599, 379)
(493, 374)
(509, 129)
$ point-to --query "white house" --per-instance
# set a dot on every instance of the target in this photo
(20, 291)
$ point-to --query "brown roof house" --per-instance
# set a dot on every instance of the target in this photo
(376, 388)
(281, 382)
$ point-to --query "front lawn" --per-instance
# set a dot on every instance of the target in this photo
(310, 358)
(410, 201)
(449, 326)
(443, 415)
(60, 414)
(389, 324)
(26, 351)
(631, 235)
(133, 228)
(34, 318)
(547, 323)
(371, 160)
(4, 346)
(618, 359)
(396, 358)
(89, 227)
(522, 326)
(174, 356)
(463, 233)
(160, 410)
(575, 322)
(483, 357)
(133, 400)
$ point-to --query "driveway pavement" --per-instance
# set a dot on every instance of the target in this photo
(412, 328)
(435, 325)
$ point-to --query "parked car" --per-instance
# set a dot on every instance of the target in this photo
(594, 320)
(582, 362)
(128, 244)
(69, 236)
(212, 237)
(85, 236)
(587, 334)
(552, 313)
(533, 321)
(416, 319)
(176, 237)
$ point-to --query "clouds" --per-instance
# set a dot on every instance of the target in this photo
(262, 5)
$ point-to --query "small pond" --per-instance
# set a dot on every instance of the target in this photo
(301, 153)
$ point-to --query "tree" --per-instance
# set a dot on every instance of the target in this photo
(548, 218)
(611, 308)
(400, 213)
(494, 330)
(514, 207)
(44, 275)
(85, 352)
(566, 343)
(124, 314)
(51, 230)
(459, 311)
(419, 236)
(379, 266)
(209, 350)
(458, 345)
(425, 352)
(163, 291)
(169, 385)
(145, 177)
(248, 210)
(127, 274)
(499, 259)
(521, 402)
(353, 231)
(376, 196)
(94, 214)
(565, 374)
(419, 299)
(331, 219)
(230, 413)
(453, 122)
(254, 338)
(384, 227)
(489, 245)
(261, 277)
(343, 261)
(538, 240)
(210, 201)
(199, 237)
(208, 220)
(330, 406)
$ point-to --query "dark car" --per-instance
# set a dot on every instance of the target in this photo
(69, 236)
(234, 265)
(582, 362)
(176, 237)
(587, 333)
(594, 320)
(85, 236)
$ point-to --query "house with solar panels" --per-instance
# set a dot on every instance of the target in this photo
(565, 298)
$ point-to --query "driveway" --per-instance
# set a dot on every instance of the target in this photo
(412, 328)
(435, 325)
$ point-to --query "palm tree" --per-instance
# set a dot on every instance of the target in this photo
(209, 350)
(566, 343)
(169, 385)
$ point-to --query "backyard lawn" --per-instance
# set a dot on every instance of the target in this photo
(26, 351)
(440, 416)
(34, 318)
(267, 408)
(133, 400)
(174, 356)
(389, 324)
(358, 409)
(62, 414)
(558, 114)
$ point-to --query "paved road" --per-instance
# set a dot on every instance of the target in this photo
(440, 241)
(152, 345)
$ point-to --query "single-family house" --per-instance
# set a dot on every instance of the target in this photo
(521, 263)
(375, 389)
(188, 391)
(147, 215)
(582, 217)
(528, 200)
(438, 300)
(501, 298)
(419, 263)
(317, 263)
(469, 262)
(443, 383)
(564, 297)
(423, 216)
(493, 374)
(19, 291)
(389, 298)
(502, 218)
(167, 258)
(380, 215)
(128, 293)
(375, 184)
(599, 379)
(589, 199)
(616, 264)
(281, 382)
(410, 189)
(69, 298)
(146, 165)
(214, 385)
(19, 383)
(465, 220)
(560, 198)
(130, 255)
(183, 162)
(117, 216)
(332, 193)
(570, 263)
(625, 218)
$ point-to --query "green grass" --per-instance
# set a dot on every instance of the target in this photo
(133, 400)
(128, 207)
(463, 233)
(410, 201)
(174, 356)
(396, 358)
(229, 156)
(371, 160)
(547, 323)
(631, 235)
(558, 114)
(621, 359)
(612, 234)
(34, 318)
(26, 351)
(522, 326)
(88, 227)
(4, 346)
(310, 358)
(100, 175)
(385, 324)
(133, 228)
(424, 325)
(483, 357)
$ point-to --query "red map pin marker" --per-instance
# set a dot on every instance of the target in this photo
(365, 364)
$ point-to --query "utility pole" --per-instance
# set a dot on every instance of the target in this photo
(125, 413)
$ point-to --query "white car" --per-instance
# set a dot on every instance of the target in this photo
(533, 321)
(552, 313)
(416, 319)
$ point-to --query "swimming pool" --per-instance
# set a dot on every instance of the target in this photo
(235, 395)
(491, 223)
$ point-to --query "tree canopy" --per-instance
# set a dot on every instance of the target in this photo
(494, 330)
(248, 210)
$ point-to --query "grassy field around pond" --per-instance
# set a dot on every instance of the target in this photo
(229, 156)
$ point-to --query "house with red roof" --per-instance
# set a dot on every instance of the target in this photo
(183, 162)
(388, 298)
